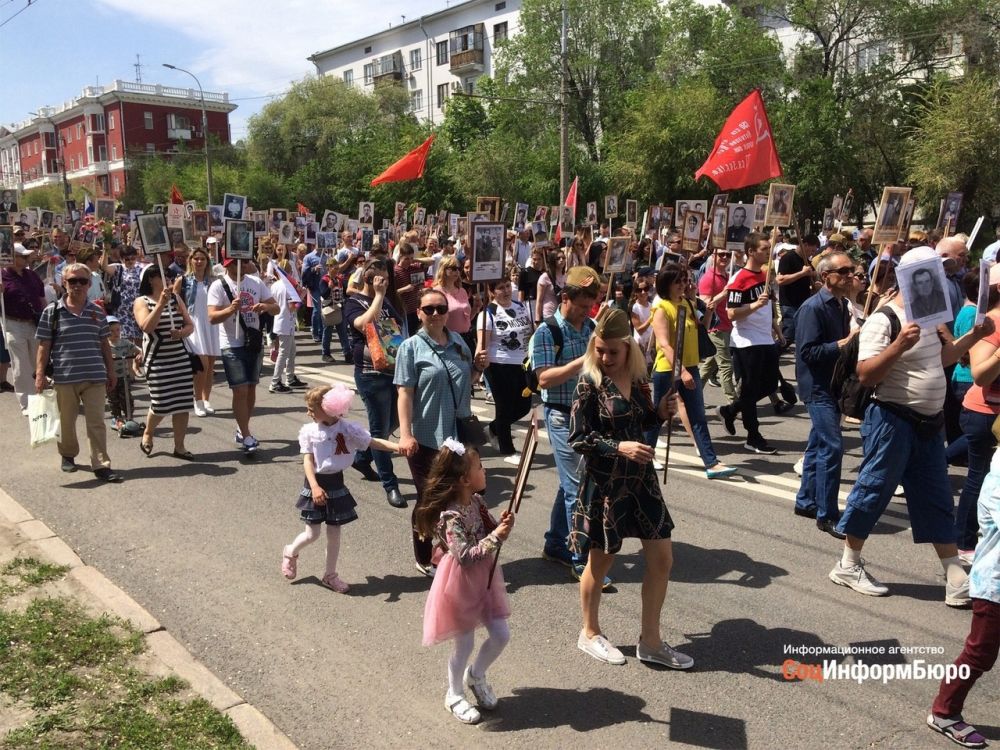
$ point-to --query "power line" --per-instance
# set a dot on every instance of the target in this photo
(11, 18)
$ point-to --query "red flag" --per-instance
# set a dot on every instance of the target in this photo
(301, 209)
(744, 153)
(571, 202)
(410, 167)
(175, 195)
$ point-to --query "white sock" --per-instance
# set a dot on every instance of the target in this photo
(953, 570)
(851, 557)
(464, 643)
(332, 548)
(499, 635)
(308, 536)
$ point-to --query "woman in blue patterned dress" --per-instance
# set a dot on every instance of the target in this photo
(619, 493)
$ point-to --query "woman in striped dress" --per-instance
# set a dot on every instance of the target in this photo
(164, 322)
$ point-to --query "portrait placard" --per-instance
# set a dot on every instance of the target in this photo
(331, 221)
(399, 213)
(233, 206)
(239, 239)
(419, 216)
(45, 219)
(952, 207)
(153, 233)
(567, 223)
(215, 221)
(277, 216)
(259, 219)
(312, 229)
(759, 212)
(666, 217)
(286, 232)
(631, 213)
(614, 261)
(691, 231)
(719, 199)
(366, 214)
(610, 206)
(520, 217)
(9, 201)
(6, 246)
(490, 206)
(837, 207)
(845, 211)
(828, 220)
(737, 226)
(503, 212)
(487, 251)
(175, 215)
(554, 215)
(779, 205)
(453, 224)
(104, 208)
(326, 240)
(983, 301)
(890, 214)
(539, 231)
(352, 226)
(199, 220)
(654, 213)
(904, 227)
(923, 287)
(720, 220)
(541, 213)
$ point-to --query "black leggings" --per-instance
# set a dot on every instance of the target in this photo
(507, 383)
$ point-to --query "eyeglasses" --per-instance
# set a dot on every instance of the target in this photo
(845, 271)
(723, 255)
(75, 281)
(861, 276)
(642, 290)
(434, 309)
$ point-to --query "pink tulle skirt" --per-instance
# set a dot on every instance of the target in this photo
(459, 600)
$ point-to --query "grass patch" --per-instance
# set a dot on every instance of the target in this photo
(33, 572)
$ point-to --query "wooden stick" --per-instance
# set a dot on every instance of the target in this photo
(874, 278)
(524, 465)
(675, 380)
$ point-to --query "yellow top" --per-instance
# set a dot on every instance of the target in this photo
(690, 359)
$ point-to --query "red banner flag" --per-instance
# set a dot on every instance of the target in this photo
(571, 202)
(175, 195)
(744, 153)
(410, 167)
(301, 209)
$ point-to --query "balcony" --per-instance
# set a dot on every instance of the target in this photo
(466, 48)
(179, 134)
(470, 61)
(388, 69)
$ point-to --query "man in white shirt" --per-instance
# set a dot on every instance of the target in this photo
(236, 301)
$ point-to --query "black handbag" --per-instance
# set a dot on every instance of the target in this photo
(470, 429)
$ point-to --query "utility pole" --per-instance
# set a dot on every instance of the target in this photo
(563, 107)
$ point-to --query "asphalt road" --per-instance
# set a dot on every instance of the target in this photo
(199, 545)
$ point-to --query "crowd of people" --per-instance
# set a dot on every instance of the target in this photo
(613, 358)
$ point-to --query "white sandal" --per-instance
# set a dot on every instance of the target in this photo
(462, 709)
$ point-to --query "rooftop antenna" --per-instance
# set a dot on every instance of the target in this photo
(138, 68)
(404, 18)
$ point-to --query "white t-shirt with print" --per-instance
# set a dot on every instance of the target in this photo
(333, 446)
(510, 329)
(251, 291)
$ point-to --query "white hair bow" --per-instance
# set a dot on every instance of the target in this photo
(454, 446)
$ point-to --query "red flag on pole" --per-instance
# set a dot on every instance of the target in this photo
(175, 195)
(571, 202)
(410, 167)
(744, 153)
(301, 209)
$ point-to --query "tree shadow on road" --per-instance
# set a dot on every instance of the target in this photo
(698, 565)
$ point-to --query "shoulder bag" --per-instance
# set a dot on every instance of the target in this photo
(470, 429)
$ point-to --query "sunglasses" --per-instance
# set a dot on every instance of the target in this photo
(75, 281)
(434, 309)
(861, 276)
(845, 271)
(723, 255)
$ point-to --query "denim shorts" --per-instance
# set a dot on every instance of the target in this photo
(242, 368)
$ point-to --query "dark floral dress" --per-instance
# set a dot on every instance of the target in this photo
(618, 497)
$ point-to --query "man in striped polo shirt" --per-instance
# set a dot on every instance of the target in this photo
(904, 440)
(74, 332)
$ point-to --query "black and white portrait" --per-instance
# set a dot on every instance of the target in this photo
(312, 229)
(6, 246)
(720, 220)
(326, 240)
(720, 199)
(419, 216)
(286, 233)
(199, 220)
(215, 218)
(366, 214)
(490, 206)
(539, 231)
(610, 206)
(759, 211)
(890, 215)
(691, 231)
(8, 201)
(779, 205)
(923, 287)
(540, 213)
(828, 221)
(45, 219)
(278, 217)
(631, 212)
(837, 207)
(487, 251)
(259, 219)
(554, 215)
(105, 209)
(567, 221)
(520, 217)
(239, 239)
(737, 226)
(153, 233)
(399, 215)
(233, 206)
(617, 250)
(331, 221)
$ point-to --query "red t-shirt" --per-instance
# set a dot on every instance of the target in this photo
(985, 400)
(711, 284)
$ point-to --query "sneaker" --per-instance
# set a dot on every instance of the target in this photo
(208, 408)
(957, 596)
(600, 648)
(199, 409)
(780, 407)
(68, 465)
(728, 418)
(577, 571)
(514, 459)
(250, 444)
(106, 475)
(428, 570)
(461, 709)
(335, 583)
(720, 472)
(326, 358)
(296, 383)
(797, 467)
(489, 398)
(563, 558)
(657, 466)
(852, 420)
(758, 444)
(238, 437)
(956, 730)
(481, 690)
(6, 387)
(857, 578)
(899, 491)
(279, 388)
(664, 655)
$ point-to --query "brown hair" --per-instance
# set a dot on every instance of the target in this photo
(440, 488)
(314, 398)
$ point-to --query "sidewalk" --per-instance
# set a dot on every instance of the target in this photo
(23, 536)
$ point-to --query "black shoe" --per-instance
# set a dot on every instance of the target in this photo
(830, 528)
(780, 407)
(326, 358)
(805, 512)
(396, 500)
(296, 383)
(106, 475)
(758, 444)
(728, 417)
(366, 471)
(68, 465)
(6, 387)
(279, 388)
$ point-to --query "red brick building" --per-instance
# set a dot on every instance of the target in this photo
(98, 130)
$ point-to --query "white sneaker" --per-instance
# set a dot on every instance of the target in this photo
(857, 578)
(797, 467)
(898, 492)
(657, 466)
(208, 408)
(199, 409)
(514, 459)
(600, 648)
(957, 596)
(665, 655)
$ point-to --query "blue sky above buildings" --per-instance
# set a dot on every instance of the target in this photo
(248, 48)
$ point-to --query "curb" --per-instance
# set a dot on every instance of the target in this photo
(253, 725)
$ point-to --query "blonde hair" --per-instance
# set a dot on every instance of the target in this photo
(448, 261)
(636, 363)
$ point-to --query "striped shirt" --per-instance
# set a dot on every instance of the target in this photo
(917, 378)
(543, 353)
(76, 354)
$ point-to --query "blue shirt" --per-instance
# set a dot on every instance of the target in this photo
(314, 258)
(984, 578)
(437, 385)
(543, 353)
(820, 323)
(964, 321)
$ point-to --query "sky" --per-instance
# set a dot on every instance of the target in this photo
(250, 49)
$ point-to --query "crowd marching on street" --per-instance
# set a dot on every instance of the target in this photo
(613, 350)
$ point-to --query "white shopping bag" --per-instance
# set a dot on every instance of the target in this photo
(43, 417)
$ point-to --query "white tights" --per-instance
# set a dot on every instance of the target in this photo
(310, 535)
(491, 648)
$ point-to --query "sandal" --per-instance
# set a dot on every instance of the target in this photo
(957, 731)
(289, 565)
(335, 583)
(461, 709)
(146, 448)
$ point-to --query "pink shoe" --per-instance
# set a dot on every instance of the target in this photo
(289, 565)
(336, 583)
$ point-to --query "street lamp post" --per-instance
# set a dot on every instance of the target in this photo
(204, 127)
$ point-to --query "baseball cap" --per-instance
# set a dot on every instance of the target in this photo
(20, 249)
(18, 229)
(211, 241)
(112, 320)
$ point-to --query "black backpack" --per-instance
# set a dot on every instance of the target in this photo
(530, 376)
(852, 397)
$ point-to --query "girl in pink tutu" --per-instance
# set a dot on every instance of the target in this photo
(328, 446)
(454, 513)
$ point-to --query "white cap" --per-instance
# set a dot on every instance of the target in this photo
(20, 249)
(919, 255)
(211, 241)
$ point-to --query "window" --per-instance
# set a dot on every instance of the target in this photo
(69, 136)
(150, 148)
(500, 6)
(111, 121)
(442, 53)
(369, 72)
(499, 32)
(148, 118)
(467, 38)
(98, 123)
(90, 152)
(114, 153)
(118, 185)
(36, 147)
(349, 77)
(79, 130)
(72, 163)
(417, 100)
(470, 87)
(442, 94)
(102, 153)
(102, 181)
(368, 50)
(416, 59)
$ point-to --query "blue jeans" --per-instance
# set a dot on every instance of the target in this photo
(977, 429)
(379, 396)
(893, 455)
(345, 345)
(317, 318)
(567, 461)
(957, 451)
(694, 405)
(788, 314)
(822, 461)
